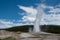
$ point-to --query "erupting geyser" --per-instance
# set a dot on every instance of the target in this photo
(40, 12)
(38, 19)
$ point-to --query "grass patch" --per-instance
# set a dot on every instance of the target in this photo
(9, 38)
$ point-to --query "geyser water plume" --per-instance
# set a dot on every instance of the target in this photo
(38, 19)
(40, 12)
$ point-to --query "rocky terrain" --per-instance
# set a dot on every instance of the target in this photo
(6, 35)
(22, 33)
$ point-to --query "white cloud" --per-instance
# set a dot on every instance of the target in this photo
(55, 10)
(28, 18)
(52, 18)
(58, 6)
(30, 11)
(5, 24)
(8, 24)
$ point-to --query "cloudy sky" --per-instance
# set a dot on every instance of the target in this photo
(23, 12)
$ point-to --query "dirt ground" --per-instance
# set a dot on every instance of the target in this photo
(28, 36)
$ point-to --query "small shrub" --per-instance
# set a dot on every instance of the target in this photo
(9, 38)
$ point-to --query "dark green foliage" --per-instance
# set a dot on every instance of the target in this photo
(24, 28)
(54, 29)
(45, 28)
(51, 29)
(9, 38)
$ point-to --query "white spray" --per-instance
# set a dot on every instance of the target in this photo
(38, 18)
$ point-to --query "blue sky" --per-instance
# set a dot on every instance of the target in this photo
(18, 12)
(9, 9)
